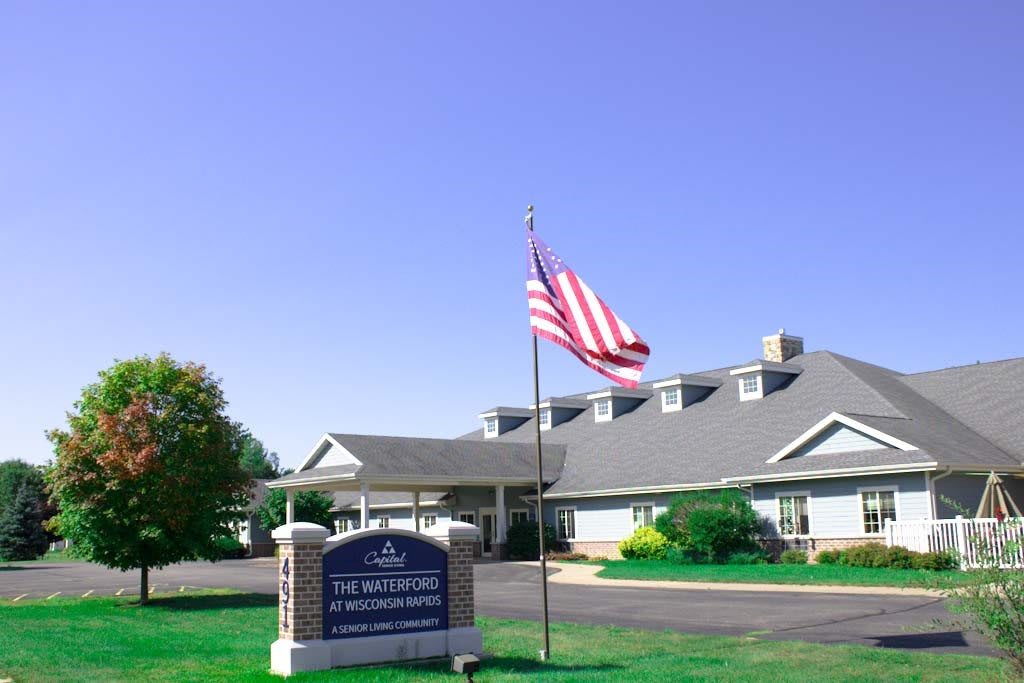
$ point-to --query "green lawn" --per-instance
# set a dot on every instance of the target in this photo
(819, 574)
(50, 556)
(217, 636)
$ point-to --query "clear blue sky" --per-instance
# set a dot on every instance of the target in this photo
(323, 201)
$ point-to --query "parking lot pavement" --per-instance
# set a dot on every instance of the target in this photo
(82, 579)
(512, 591)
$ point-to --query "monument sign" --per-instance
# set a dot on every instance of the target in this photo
(373, 595)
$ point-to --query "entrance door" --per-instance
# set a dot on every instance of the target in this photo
(488, 524)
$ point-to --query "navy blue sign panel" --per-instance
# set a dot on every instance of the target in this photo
(383, 584)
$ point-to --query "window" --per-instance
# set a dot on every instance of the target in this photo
(876, 507)
(491, 426)
(749, 385)
(428, 521)
(566, 523)
(794, 514)
(468, 517)
(518, 516)
(341, 526)
(643, 515)
(670, 397)
(545, 417)
(383, 522)
(603, 410)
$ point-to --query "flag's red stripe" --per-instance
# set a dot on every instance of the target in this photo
(588, 315)
(622, 362)
(630, 384)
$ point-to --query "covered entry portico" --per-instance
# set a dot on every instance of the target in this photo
(488, 479)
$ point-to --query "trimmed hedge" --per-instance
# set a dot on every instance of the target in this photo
(524, 543)
(895, 557)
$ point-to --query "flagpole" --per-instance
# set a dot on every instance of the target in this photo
(545, 654)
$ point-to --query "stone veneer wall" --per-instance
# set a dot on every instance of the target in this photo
(303, 613)
(461, 611)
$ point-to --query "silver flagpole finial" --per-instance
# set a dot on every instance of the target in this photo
(529, 217)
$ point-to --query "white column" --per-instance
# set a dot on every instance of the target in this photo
(499, 503)
(289, 508)
(364, 505)
(416, 509)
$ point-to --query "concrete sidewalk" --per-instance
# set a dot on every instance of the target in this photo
(586, 575)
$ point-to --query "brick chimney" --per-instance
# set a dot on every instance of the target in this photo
(780, 347)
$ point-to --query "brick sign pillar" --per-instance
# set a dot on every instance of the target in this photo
(463, 635)
(300, 599)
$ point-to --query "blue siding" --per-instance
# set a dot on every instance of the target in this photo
(835, 503)
(608, 518)
(839, 439)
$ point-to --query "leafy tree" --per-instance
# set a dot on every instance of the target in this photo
(14, 474)
(310, 506)
(257, 460)
(148, 472)
(741, 520)
(21, 527)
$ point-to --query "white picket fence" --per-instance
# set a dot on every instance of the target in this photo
(1006, 537)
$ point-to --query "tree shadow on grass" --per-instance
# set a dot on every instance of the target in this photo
(528, 665)
(193, 603)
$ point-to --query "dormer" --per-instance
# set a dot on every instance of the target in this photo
(762, 377)
(555, 411)
(683, 390)
(614, 401)
(499, 420)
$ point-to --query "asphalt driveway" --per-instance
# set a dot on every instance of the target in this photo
(510, 590)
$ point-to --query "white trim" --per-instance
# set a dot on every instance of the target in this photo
(609, 416)
(387, 506)
(558, 522)
(567, 403)
(839, 418)
(459, 513)
(768, 366)
(423, 520)
(620, 392)
(643, 503)
(810, 513)
(758, 391)
(545, 426)
(341, 539)
(674, 407)
(316, 449)
(688, 381)
(632, 490)
(512, 511)
(506, 412)
(830, 474)
(894, 488)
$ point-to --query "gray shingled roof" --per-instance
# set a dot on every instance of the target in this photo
(722, 437)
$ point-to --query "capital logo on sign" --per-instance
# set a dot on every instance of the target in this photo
(387, 558)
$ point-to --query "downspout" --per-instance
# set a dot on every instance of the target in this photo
(749, 491)
(931, 488)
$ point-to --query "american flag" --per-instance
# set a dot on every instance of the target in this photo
(563, 309)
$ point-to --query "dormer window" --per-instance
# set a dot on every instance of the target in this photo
(763, 377)
(670, 398)
(615, 401)
(555, 411)
(497, 421)
(679, 391)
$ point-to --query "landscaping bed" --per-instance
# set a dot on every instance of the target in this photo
(226, 636)
(807, 574)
